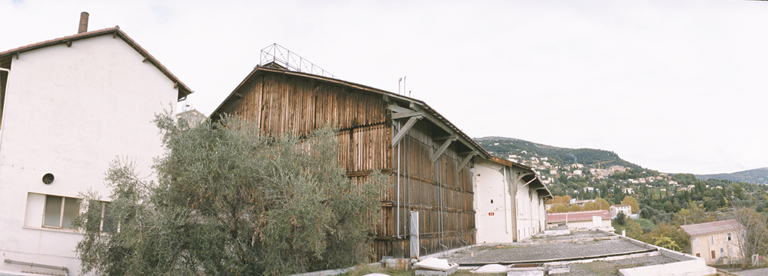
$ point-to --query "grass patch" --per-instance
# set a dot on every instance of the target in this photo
(644, 223)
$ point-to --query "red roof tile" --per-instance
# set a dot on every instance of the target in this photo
(116, 32)
(712, 227)
(577, 216)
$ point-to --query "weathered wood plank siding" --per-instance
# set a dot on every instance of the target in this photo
(442, 194)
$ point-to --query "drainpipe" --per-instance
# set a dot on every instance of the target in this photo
(399, 153)
(62, 268)
(506, 209)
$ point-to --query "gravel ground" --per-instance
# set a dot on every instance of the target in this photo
(572, 236)
(536, 252)
(612, 267)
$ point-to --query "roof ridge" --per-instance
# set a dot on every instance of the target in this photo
(116, 31)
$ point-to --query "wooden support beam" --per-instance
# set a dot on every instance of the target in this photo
(403, 130)
(466, 160)
(529, 182)
(443, 148)
(446, 137)
(520, 177)
(400, 109)
(401, 115)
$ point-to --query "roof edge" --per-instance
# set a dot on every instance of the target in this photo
(184, 90)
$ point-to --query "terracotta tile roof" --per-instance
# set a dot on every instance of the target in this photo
(712, 227)
(577, 216)
(116, 32)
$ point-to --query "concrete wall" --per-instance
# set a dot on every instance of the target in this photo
(70, 111)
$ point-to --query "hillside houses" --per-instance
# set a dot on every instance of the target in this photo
(69, 107)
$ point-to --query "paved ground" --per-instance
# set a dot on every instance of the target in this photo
(752, 272)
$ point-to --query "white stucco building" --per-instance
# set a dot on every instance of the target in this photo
(69, 107)
(621, 208)
(509, 201)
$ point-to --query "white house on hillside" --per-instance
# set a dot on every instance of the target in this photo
(69, 107)
(621, 208)
(509, 201)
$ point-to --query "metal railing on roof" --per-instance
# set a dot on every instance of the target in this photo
(283, 57)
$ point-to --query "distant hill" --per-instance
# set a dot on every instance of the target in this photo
(518, 150)
(758, 176)
(522, 151)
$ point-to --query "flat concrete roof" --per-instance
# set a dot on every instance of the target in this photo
(582, 253)
(574, 247)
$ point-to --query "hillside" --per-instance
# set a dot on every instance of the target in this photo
(757, 176)
(530, 153)
(520, 150)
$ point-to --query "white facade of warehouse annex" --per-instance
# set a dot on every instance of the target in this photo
(509, 201)
(69, 107)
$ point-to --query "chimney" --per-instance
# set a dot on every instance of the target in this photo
(83, 23)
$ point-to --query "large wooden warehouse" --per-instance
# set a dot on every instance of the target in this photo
(429, 159)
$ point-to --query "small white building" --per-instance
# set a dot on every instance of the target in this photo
(621, 208)
(69, 107)
(582, 220)
(509, 201)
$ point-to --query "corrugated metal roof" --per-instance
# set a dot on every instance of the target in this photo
(116, 32)
(577, 216)
(712, 227)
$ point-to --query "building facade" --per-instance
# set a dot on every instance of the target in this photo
(509, 201)
(582, 220)
(69, 107)
(717, 242)
(621, 208)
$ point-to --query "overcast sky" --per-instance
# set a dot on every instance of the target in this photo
(675, 86)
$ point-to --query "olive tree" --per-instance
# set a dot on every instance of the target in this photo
(229, 200)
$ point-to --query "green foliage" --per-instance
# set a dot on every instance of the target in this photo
(621, 218)
(754, 238)
(666, 242)
(668, 236)
(230, 201)
(631, 201)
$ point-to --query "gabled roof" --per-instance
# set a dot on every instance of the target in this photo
(712, 227)
(532, 178)
(115, 32)
(430, 114)
(577, 216)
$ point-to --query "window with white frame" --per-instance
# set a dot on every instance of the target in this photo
(729, 236)
(711, 239)
(105, 221)
(60, 211)
(696, 242)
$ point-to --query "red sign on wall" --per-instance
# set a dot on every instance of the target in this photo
(490, 213)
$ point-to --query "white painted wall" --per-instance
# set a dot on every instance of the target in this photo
(70, 111)
(504, 226)
(491, 196)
